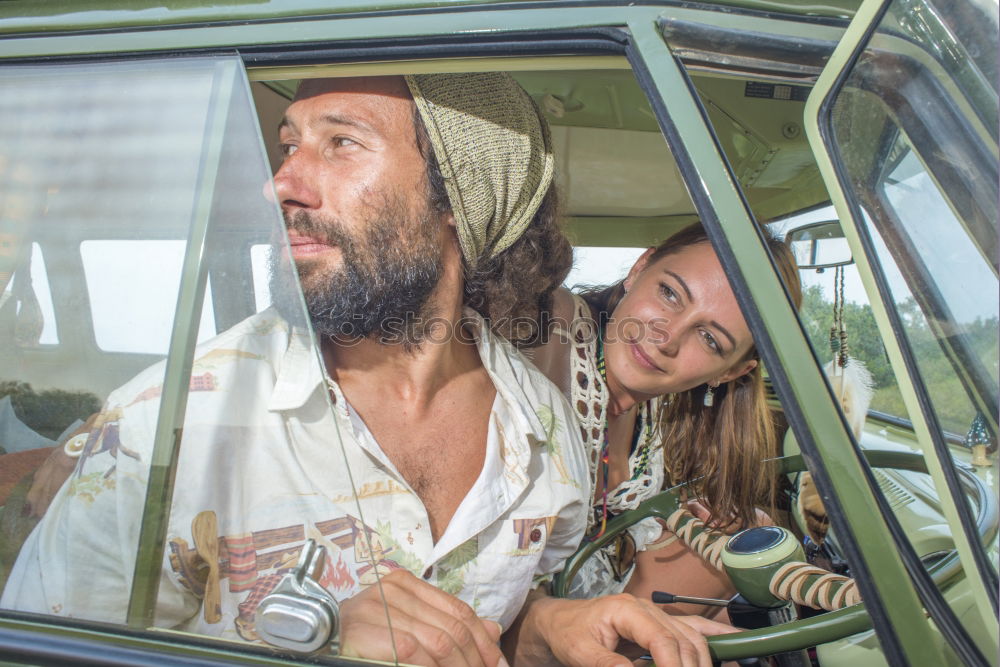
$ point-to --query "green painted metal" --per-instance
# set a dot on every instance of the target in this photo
(624, 232)
(180, 356)
(824, 88)
(148, 645)
(320, 30)
(797, 634)
(199, 34)
(751, 574)
(25, 16)
(807, 384)
(780, 321)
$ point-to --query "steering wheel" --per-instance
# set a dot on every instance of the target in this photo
(816, 630)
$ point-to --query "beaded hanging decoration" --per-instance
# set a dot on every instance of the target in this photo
(838, 334)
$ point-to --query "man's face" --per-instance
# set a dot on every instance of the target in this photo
(353, 191)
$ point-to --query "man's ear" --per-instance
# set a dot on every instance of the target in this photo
(449, 219)
(637, 268)
(738, 371)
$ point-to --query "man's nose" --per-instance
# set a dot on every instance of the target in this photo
(293, 185)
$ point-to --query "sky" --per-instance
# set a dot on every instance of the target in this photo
(145, 325)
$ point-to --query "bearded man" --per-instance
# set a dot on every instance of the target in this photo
(421, 221)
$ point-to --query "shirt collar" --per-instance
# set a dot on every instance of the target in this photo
(509, 372)
(300, 372)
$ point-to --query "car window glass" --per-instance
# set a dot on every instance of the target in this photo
(144, 182)
(924, 181)
(820, 290)
(967, 327)
(145, 274)
(260, 262)
(35, 299)
(941, 276)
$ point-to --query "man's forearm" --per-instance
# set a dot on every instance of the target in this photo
(524, 643)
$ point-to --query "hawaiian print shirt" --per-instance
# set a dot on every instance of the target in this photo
(263, 467)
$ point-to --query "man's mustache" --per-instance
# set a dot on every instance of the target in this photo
(329, 232)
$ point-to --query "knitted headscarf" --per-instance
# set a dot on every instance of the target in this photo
(494, 151)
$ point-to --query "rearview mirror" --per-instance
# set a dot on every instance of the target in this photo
(819, 245)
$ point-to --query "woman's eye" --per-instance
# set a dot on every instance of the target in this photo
(711, 342)
(669, 292)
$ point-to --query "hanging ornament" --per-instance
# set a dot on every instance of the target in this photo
(978, 440)
(838, 333)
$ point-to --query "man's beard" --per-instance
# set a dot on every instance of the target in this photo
(381, 285)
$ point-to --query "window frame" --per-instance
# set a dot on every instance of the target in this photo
(915, 395)
(552, 31)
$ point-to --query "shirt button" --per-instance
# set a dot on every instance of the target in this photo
(536, 535)
(428, 572)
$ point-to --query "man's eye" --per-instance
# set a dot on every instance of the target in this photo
(343, 141)
(287, 149)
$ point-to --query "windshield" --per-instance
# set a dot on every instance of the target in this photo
(915, 141)
(933, 243)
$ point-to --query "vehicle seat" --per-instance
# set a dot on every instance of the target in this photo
(32, 425)
(17, 470)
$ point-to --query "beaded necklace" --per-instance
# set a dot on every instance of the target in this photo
(644, 452)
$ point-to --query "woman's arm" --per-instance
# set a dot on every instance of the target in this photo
(676, 568)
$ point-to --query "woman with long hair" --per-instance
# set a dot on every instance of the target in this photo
(662, 371)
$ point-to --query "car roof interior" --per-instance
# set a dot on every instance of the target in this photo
(618, 182)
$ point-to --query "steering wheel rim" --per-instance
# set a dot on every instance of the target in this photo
(804, 633)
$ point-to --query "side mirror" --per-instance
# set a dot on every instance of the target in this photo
(819, 245)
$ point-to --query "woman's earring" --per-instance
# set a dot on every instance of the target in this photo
(709, 396)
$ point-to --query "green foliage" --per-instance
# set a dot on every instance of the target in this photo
(863, 340)
(48, 412)
(948, 395)
(451, 569)
(462, 555)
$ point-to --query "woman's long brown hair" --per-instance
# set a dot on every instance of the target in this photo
(721, 450)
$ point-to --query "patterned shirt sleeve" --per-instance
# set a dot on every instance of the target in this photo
(79, 560)
(567, 452)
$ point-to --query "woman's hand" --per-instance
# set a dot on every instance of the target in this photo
(729, 527)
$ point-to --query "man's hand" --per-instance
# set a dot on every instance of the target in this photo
(429, 626)
(586, 633)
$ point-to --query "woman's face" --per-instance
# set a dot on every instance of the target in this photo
(678, 326)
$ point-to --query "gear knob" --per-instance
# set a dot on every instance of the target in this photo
(751, 557)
